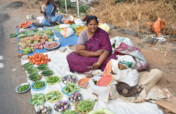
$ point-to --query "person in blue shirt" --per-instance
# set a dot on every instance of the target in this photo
(50, 17)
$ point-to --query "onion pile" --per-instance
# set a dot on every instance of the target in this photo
(61, 106)
(50, 45)
(69, 79)
(43, 110)
(76, 97)
(39, 45)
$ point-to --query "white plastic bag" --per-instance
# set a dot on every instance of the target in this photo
(102, 92)
(141, 63)
(129, 76)
(119, 40)
(78, 22)
(66, 32)
(127, 58)
(64, 26)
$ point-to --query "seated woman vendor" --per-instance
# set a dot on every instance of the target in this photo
(49, 10)
(93, 50)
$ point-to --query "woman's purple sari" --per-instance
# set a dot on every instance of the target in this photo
(100, 40)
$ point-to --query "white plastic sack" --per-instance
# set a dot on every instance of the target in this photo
(102, 92)
(66, 32)
(127, 58)
(129, 76)
(141, 63)
(40, 19)
(119, 40)
(78, 22)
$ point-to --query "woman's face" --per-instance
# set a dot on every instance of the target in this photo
(92, 26)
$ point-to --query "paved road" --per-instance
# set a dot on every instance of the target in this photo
(11, 74)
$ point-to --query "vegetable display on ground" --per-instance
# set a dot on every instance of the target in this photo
(37, 99)
(51, 45)
(38, 84)
(39, 59)
(47, 73)
(62, 106)
(69, 79)
(25, 24)
(69, 112)
(76, 97)
(42, 67)
(31, 70)
(85, 106)
(70, 88)
(53, 95)
(43, 109)
(27, 65)
(52, 80)
(35, 77)
(22, 88)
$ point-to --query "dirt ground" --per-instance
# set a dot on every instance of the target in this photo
(159, 55)
(134, 15)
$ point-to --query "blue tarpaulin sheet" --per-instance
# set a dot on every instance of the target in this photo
(71, 40)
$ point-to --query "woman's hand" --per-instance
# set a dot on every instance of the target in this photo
(95, 66)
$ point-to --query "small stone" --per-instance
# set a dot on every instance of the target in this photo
(1, 65)
(13, 69)
(19, 55)
(112, 26)
(173, 49)
(150, 40)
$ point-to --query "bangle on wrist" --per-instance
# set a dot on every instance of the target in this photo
(98, 63)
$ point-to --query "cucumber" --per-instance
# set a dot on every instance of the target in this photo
(47, 72)
(43, 67)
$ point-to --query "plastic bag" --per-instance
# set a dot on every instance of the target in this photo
(79, 22)
(128, 76)
(102, 92)
(157, 26)
(118, 40)
(40, 19)
(66, 32)
(64, 25)
(141, 63)
(127, 58)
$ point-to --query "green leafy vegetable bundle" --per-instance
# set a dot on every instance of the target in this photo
(69, 112)
(42, 67)
(70, 88)
(54, 95)
(23, 87)
(38, 84)
(53, 79)
(85, 106)
(37, 99)
(34, 77)
(47, 72)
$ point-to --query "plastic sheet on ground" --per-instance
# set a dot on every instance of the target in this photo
(60, 67)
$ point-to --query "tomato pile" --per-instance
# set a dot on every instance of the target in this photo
(39, 59)
(25, 24)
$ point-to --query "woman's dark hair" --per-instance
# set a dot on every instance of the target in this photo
(91, 17)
